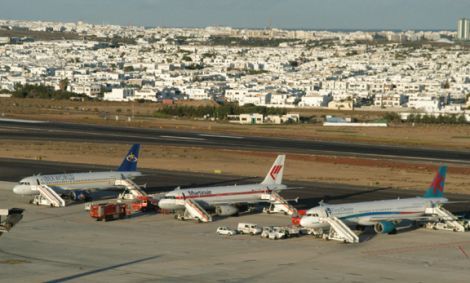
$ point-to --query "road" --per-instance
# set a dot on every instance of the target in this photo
(309, 193)
(55, 131)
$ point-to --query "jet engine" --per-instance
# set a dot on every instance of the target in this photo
(78, 195)
(226, 210)
(385, 227)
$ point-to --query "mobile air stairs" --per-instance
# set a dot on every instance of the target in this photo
(339, 231)
(194, 211)
(445, 220)
(132, 191)
(47, 196)
(278, 204)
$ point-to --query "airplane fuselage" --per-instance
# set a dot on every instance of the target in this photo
(371, 212)
(73, 181)
(211, 196)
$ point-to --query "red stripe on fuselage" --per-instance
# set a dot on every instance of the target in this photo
(223, 194)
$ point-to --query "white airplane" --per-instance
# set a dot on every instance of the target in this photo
(227, 199)
(384, 215)
(82, 181)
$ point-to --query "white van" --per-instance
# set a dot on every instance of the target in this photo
(249, 228)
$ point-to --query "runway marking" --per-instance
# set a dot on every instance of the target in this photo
(221, 136)
(463, 251)
(183, 138)
(22, 121)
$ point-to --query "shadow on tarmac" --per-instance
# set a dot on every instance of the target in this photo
(91, 272)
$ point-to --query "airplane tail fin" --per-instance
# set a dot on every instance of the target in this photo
(130, 160)
(274, 176)
(436, 190)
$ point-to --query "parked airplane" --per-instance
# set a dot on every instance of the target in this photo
(227, 199)
(384, 215)
(82, 181)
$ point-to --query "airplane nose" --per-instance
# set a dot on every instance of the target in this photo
(17, 190)
(164, 204)
(305, 221)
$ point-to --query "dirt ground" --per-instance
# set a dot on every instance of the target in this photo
(329, 169)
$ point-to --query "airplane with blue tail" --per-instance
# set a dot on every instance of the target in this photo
(82, 181)
(384, 215)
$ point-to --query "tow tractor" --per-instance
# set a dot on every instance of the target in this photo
(9, 218)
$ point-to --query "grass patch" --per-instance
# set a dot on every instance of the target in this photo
(336, 131)
(14, 261)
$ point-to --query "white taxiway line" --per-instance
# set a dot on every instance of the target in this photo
(221, 136)
(22, 121)
(182, 138)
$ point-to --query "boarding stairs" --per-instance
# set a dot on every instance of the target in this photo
(132, 191)
(195, 211)
(47, 196)
(278, 204)
(450, 220)
(339, 231)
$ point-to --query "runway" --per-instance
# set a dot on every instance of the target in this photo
(309, 193)
(54, 131)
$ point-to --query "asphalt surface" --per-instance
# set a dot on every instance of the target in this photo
(14, 129)
(309, 193)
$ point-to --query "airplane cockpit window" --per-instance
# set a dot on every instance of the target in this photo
(25, 183)
(169, 197)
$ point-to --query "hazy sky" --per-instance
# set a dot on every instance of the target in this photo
(312, 14)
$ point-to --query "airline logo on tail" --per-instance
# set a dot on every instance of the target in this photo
(437, 186)
(129, 163)
(274, 175)
(131, 158)
(274, 171)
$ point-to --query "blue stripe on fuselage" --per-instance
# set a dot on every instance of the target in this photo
(375, 213)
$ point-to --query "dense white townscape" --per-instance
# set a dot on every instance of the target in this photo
(411, 71)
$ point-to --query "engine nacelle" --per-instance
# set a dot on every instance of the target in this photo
(226, 210)
(78, 195)
(385, 227)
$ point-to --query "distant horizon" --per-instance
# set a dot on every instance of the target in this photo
(355, 15)
(238, 27)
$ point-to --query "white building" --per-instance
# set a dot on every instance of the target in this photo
(119, 94)
(145, 94)
(197, 94)
(254, 118)
(260, 99)
(463, 29)
(316, 100)
(426, 103)
(91, 90)
(389, 100)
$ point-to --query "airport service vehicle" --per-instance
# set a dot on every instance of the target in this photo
(51, 188)
(293, 231)
(108, 211)
(193, 203)
(9, 218)
(222, 230)
(248, 228)
(266, 231)
(384, 215)
(277, 233)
